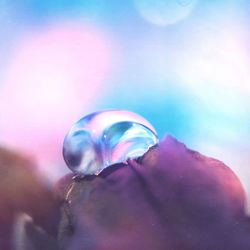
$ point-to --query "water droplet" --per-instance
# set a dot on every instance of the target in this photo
(103, 138)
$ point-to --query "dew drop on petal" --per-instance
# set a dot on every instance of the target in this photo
(103, 138)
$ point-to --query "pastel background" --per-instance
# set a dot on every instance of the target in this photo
(182, 64)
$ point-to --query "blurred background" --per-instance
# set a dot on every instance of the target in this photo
(182, 64)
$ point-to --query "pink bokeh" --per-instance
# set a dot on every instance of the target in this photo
(54, 76)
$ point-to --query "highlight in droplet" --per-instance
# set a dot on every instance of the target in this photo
(103, 138)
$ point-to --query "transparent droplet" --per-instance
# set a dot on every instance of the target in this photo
(103, 138)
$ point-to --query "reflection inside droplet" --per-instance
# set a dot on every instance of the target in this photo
(105, 138)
